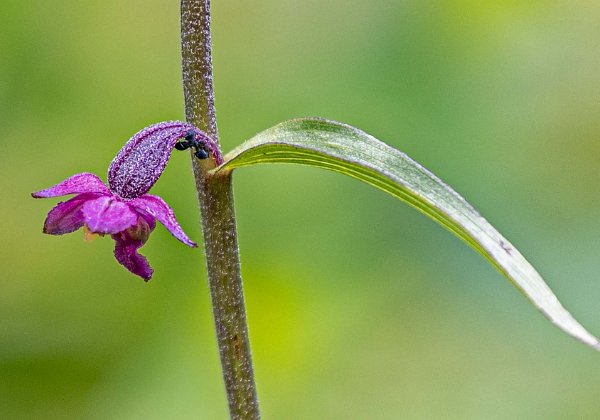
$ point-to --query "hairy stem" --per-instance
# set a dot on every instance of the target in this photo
(215, 195)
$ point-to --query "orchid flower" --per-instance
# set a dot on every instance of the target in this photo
(123, 209)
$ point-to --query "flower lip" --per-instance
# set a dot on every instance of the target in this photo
(127, 244)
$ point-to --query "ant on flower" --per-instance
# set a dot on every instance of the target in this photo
(191, 141)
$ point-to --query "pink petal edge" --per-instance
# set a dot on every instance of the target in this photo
(158, 208)
(79, 183)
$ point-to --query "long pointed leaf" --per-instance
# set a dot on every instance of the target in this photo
(348, 150)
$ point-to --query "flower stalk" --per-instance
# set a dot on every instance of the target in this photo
(215, 195)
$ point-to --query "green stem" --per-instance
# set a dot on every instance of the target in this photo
(215, 195)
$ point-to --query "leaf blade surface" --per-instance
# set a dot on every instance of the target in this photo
(348, 150)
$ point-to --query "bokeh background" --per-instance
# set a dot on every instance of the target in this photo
(359, 307)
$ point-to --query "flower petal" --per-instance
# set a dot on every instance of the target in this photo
(126, 253)
(67, 216)
(156, 207)
(142, 160)
(107, 214)
(79, 183)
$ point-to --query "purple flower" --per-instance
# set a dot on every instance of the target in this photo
(124, 210)
(100, 211)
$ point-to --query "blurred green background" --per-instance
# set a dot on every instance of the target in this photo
(359, 307)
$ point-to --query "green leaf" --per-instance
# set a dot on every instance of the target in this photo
(348, 150)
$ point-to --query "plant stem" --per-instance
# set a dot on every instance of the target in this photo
(215, 195)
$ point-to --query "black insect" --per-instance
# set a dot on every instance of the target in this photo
(189, 136)
(201, 151)
(182, 145)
